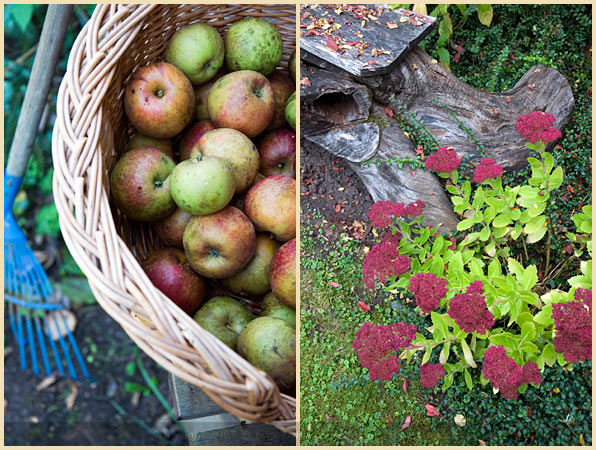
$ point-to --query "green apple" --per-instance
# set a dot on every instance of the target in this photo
(272, 307)
(197, 50)
(269, 344)
(202, 185)
(254, 278)
(253, 44)
(291, 111)
(224, 318)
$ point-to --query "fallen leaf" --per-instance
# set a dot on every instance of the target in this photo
(405, 385)
(481, 442)
(389, 422)
(582, 441)
(388, 111)
(431, 411)
(331, 44)
(70, 400)
(47, 381)
(460, 420)
(330, 418)
(402, 19)
(392, 25)
(338, 207)
(334, 284)
(556, 390)
(364, 306)
(304, 81)
(407, 422)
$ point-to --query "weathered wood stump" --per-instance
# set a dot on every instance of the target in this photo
(343, 99)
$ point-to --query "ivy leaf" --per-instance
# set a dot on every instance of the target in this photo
(22, 15)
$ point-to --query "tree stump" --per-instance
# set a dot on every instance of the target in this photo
(343, 106)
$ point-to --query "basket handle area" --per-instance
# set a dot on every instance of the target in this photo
(169, 336)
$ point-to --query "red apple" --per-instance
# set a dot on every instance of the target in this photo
(283, 274)
(191, 137)
(169, 271)
(277, 151)
(243, 101)
(171, 229)
(271, 205)
(234, 147)
(159, 100)
(220, 245)
(283, 86)
(140, 184)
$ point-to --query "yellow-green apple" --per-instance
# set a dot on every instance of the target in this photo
(292, 66)
(283, 274)
(283, 87)
(290, 111)
(140, 184)
(224, 318)
(234, 147)
(254, 278)
(271, 205)
(140, 140)
(169, 271)
(253, 44)
(243, 101)
(272, 307)
(159, 100)
(191, 137)
(202, 92)
(221, 244)
(197, 50)
(269, 344)
(277, 151)
(202, 185)
(171, 229)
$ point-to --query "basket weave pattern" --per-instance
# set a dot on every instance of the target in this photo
(90, 132)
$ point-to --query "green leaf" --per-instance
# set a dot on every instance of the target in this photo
(465, 224)
(444, 55)
(478, 198)
(468, 379)
(22, 15)
(528, 332)
(535, 224)
(419, 8)
(535, 237)
(489, 214)
(515, 268)
(502, 220)
(427, 354)
(549, 354)
(453, 190)
(447, 381)
(544, 317)
(467, 190)
(132, 387)
(556, 178)
(441, 330)
(444, 356)
(549, 162)
(462, 8)
(530, 277)
(484, 234)
(130, 368)
(494, 268)
(529, 347)
(446, 25)
(437, 245)
(485, 14)
(467, 353)
(47, 221)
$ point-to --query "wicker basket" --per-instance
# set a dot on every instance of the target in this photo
(90, 131)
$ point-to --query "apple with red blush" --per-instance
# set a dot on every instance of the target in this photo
(277, 151)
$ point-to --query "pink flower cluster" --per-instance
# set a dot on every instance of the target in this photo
(444, 160)
(430, 374)
(504, 373)
(381, 212)
(377, 347)
(537, 126)
(488, 168)
(383, 261)
(429, 290)
(469, 310)
(392, 238)
(573, 327)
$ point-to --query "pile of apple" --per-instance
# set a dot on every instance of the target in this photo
(227, 209)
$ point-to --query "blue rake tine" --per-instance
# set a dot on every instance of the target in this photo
(71, 369)
(12, 318)
(21, 340)
(42, 346)
(76, 351)
(31, 343)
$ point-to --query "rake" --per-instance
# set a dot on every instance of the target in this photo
(34, 313)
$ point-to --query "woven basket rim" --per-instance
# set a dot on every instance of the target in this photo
(116, 278)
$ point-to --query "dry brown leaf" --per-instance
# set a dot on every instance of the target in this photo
(72, 397)
(47, 381)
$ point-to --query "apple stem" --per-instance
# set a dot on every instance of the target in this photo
(159, 93)
(199, 157)
(213, 252)
(158, 182)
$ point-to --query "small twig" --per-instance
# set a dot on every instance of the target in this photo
(140, 423)
(23, 57)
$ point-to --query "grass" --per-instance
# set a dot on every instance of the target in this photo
(339, 405)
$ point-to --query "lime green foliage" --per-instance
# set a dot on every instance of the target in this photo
(339, 406)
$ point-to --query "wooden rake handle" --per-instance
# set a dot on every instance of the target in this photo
(48, 52)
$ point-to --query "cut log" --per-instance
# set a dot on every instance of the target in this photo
(443, 102)
(354, 143)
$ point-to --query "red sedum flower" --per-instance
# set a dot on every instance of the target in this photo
(573, 327)
(377, 347)
(429, 290)
(415, 208)
(380, 213)
(444, 160)
(382, 262)
(504, 373)
(430, 374)
(537, 126)
(488, 168)
(469, 310)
